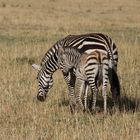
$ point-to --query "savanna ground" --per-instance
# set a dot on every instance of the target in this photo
(27, 30)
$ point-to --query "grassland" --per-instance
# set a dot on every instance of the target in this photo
(27, 30)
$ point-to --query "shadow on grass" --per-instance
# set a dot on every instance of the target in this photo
(129, 104)
(125, 105)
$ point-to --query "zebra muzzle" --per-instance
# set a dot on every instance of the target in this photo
(41, 97)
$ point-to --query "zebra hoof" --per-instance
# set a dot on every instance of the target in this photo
(41, 98)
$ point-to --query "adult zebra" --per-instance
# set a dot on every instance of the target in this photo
(84, 42)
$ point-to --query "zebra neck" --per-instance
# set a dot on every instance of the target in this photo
(50, 61)
(51, 66)
(75, 59)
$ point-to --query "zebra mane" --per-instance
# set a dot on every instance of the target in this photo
(52, 51)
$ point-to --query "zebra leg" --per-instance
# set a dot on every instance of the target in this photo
(105, 99)
(70, 79)
(85, 92)
(91, 77)
(81, 88)
(94, 94)
(105, 70)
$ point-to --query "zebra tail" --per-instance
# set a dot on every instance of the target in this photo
(115, 84)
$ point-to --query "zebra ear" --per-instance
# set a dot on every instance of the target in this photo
(36, 67)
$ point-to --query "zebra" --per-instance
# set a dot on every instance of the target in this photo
(84, 42)
(91, 69)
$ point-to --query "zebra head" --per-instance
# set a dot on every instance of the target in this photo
(65, 59)
(45, 82)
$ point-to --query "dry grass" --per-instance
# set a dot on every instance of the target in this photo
(27, 31)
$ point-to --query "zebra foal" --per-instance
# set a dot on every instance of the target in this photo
(91, 70)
